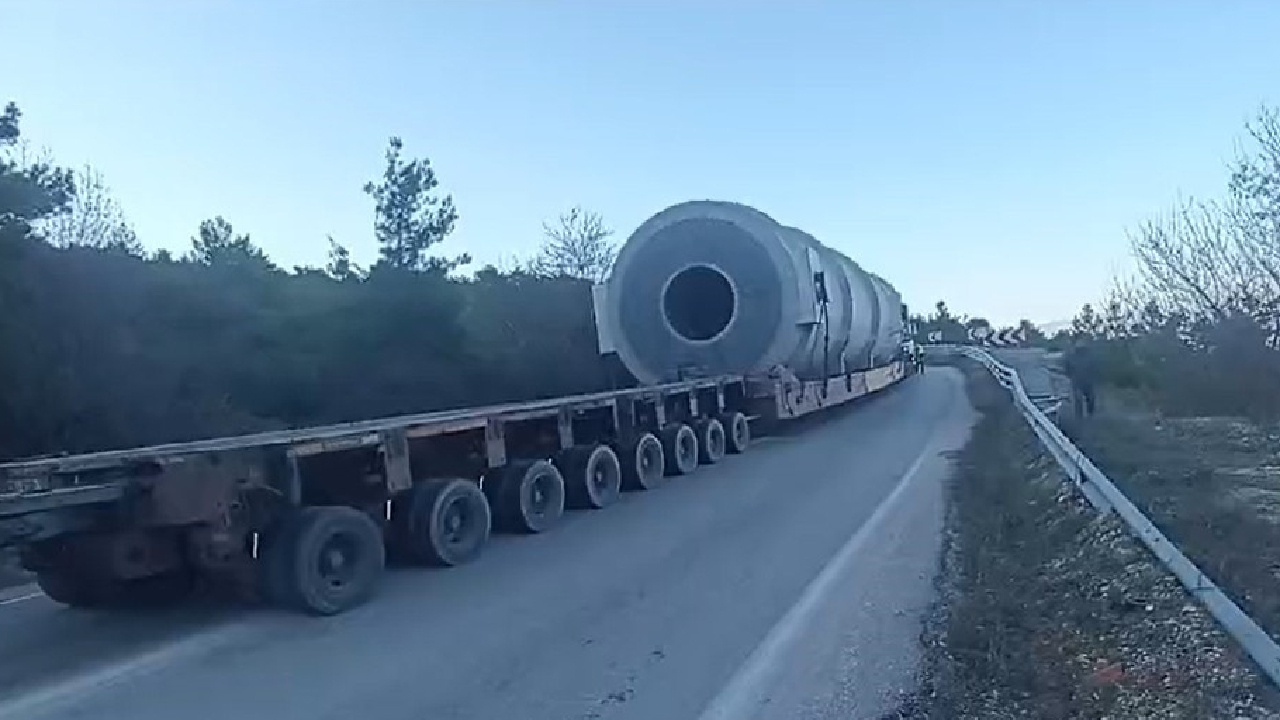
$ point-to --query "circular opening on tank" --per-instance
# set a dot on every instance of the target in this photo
(698, 303)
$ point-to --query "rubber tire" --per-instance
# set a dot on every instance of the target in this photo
(273, 559)
(679, 449)
(592, 476)
(512, 495)
(737, 432)
(156, 591)
(84, 590)
(302, 545)
(646, 469)
(72, 589)
(711, 441)
(418, 516)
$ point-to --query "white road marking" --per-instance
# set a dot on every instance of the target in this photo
(79, 688)
(747, 691)
(20, 598)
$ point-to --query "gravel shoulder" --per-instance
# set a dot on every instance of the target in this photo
(1048, 610)
(1212, 484)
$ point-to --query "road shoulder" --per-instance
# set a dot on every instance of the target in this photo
(1048, 610)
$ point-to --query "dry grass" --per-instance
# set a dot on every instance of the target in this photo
(1212, 484)
(1051, 611)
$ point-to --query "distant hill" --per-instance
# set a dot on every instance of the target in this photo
(1053, 328)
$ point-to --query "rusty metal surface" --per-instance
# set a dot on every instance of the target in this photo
(31, 502)
(365, 432)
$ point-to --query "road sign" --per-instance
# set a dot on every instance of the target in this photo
(1008, 337)
(979, 332)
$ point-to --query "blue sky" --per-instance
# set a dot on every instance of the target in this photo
(989, 153)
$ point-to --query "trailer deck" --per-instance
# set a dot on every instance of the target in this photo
(263, 509)
(324, 438)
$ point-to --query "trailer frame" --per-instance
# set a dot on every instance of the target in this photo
(219, 508)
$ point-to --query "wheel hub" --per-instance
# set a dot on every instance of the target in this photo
(455, 517)
(539, 495)
(337, 561)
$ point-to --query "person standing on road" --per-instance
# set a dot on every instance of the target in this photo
(1082, 370)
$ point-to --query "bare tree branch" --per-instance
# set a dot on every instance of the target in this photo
(93, 219)
(577, 245)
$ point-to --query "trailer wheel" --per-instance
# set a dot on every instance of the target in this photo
(334, 559)
(528, 496)
(643, 464)
(592, 476)
(78, 589)
(679, 449)
(72, 589)
(161, 590)
(442, 522)
(274, 565)
(711, 441)
(737, 432)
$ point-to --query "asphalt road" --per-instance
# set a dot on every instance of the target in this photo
(786, 583)
(1035, 369)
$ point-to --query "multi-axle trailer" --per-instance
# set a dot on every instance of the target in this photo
(307, 518)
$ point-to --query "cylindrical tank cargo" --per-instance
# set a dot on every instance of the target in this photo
(889, 335)
(709, 287)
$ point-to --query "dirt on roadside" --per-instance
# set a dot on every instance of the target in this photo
(1212, 484)
(1048, 610)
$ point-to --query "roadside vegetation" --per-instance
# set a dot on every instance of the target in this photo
(106, 345)
(1211, 483)
(1049, 610)
(1054, 611)
(1193, 329)
(1189, 425)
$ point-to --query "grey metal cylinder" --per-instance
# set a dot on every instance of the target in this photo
(709, 287)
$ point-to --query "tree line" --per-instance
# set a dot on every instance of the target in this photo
(1194, 326)
(105, 345)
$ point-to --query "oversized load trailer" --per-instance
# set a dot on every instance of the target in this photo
(308, 518)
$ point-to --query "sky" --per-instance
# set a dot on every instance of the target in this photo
(990, 154)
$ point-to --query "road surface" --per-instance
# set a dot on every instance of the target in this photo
(786, 583)
(1034, 368)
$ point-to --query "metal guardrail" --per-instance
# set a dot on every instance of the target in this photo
(1106, 497)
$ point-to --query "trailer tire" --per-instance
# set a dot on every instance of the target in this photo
(162, 590)
(72, 589)
(528, 496)
(442, 522)
(711, 441)
(334, 557)
(274, 553)
(89, 590)
(679, 449)
(592, 476)
(644, 463)
(737, 432)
